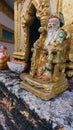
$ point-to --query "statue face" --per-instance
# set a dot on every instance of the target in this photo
(53, 23)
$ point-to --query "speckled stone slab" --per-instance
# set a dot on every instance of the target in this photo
(58, 109)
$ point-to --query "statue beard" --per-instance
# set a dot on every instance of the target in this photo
(50, 35)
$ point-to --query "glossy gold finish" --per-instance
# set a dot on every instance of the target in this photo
(44, 89)
(24, 17)
(67, 9)
(55, 81)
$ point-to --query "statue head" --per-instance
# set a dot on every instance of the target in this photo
(56, 21)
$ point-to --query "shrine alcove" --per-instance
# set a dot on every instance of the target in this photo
(34, 35)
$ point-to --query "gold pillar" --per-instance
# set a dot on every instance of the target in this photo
(67, 9)
(16, 25)
(60, 2)
(19, 25)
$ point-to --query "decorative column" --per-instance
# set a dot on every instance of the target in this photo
(19, 25)
(67, 8)
(60, 2)
(18, 54)
(16, 24)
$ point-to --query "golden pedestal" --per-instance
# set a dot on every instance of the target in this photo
(44, 89)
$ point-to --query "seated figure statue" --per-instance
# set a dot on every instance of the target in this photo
(51, 61)
(47, 78)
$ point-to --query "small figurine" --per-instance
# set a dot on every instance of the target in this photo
(4, 57)
(47, 78)
(51, 61)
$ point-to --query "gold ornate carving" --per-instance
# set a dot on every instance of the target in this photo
(50, 80)
(24, 17)
(44, 90)
(48, 63)
(67, 7)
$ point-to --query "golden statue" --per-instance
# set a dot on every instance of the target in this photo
(47, 78)
(50, 51)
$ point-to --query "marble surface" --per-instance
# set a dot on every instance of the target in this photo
(59, 109)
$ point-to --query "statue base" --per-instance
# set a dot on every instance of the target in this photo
(44, 89)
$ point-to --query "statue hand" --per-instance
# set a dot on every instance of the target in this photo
(42, 29)
(37, 45)
(56, 43)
